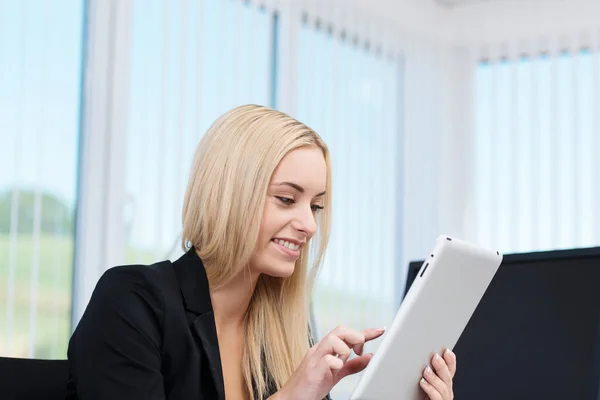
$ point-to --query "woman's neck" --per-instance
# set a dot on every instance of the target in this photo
(230, 302)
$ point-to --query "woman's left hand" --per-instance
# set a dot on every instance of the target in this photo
(437, 383)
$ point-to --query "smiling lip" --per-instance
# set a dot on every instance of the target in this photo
(282, 244)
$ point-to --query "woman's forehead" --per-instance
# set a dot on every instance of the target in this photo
(304, 167)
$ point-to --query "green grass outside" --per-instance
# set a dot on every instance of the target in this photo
(53, 295)
(54, 291)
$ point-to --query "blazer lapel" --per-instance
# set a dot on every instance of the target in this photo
(204, 326)
(196, 298)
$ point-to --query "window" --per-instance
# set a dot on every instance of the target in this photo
(40, 77)
(191, 62)
(349, 95)
(537, 177)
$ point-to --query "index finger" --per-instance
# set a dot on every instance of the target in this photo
(354, 339)
(373, 333)
(369, 334)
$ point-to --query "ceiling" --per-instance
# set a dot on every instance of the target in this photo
(460, 2)
(450, 3)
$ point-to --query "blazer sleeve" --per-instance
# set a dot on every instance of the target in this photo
(115, 352)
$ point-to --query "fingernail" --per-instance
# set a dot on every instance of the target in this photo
(449, 352)
(428, 370)
(437, 357)
(423, 382)
(381, 329)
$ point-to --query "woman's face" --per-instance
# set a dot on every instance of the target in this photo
(294, 197)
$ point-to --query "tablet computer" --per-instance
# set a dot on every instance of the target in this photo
(432, 316)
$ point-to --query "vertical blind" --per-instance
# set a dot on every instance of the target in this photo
(537, 174)
(191, 62)
(348, 93)
(40, 79)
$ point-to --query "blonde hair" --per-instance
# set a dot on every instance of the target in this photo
(222, 214)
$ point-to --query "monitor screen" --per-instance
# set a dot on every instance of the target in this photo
(536, 331)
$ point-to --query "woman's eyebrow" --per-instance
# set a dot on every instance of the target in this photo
(297, 187)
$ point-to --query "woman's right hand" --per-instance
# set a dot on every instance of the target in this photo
(326, 363)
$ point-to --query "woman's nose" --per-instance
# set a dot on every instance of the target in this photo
(306, 222)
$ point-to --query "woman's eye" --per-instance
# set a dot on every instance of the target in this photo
(316, 207)
(286, 200)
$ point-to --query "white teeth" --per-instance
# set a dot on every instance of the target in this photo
(284, 243)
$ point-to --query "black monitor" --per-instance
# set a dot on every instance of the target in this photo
(536, 331)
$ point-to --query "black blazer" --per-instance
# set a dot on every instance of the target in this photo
(148, 333)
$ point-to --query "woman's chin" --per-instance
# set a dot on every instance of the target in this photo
(280, 271)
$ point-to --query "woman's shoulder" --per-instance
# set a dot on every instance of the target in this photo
(149, 281)
(147, 276)
(139, 294)
(138, 273)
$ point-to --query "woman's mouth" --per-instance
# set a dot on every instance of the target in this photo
(288, 248)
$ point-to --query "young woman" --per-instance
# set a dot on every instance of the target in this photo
(229, 319)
